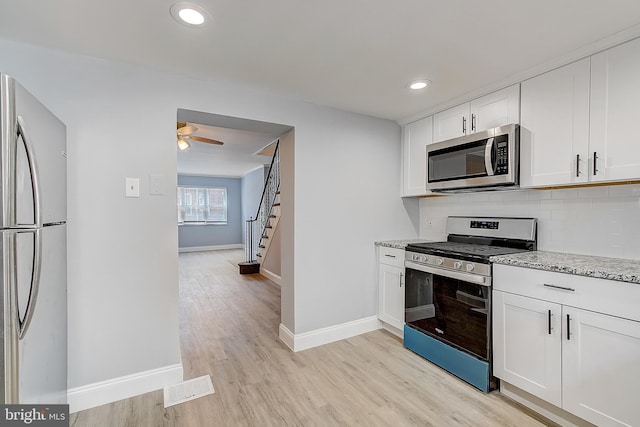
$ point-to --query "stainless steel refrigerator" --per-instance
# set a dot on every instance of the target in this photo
(33, 251)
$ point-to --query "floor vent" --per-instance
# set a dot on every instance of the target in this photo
(188, 390)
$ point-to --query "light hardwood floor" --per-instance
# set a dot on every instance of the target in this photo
(229, 329)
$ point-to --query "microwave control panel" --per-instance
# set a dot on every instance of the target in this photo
(502, 151)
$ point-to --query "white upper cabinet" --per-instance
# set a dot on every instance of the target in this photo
(615, 113)
(554, 131)
(495, 109)
(415, 138)
(451, 123)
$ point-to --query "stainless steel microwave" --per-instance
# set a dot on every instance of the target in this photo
(487, 160)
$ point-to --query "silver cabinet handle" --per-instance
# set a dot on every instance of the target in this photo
(473, 123)
(390, 256)
(577, 165)
(595, 162)
(568, 327)
(564, 288)
(401, 275)
(549, 321)
(464, 125)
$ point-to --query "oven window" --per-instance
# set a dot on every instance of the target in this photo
(463, 161)
(450, 310)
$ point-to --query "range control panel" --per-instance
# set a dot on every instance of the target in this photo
(487, 225)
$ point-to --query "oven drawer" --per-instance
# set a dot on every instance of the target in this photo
(391, 256)
(599, 295)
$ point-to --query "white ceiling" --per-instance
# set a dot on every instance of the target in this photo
(234, 159)
(242, 138)
(355, 55)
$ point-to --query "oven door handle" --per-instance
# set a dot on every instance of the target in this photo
(459, 275)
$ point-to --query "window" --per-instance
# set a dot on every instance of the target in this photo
(201, 205)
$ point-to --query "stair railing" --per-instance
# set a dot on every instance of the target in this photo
(256, 227)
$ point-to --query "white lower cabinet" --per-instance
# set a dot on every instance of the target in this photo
(600, 373)
(391, 286)
(549, 340)
(527, 353)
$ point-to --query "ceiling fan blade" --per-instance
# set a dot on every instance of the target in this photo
(202, 139)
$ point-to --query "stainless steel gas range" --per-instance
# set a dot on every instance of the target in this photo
(448, 293)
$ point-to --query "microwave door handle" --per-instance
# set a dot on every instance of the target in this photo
(488, 154)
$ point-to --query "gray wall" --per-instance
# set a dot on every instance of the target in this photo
(190, 236)
(251, 186)
(328, 256)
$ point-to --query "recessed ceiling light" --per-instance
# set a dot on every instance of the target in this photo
(190, 14)
(419, 84)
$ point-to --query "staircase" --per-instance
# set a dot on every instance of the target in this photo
(266, 238)
(259, 230)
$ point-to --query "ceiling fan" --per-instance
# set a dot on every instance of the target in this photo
(185, 133)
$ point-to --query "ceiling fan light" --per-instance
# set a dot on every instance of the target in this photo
(183, 145)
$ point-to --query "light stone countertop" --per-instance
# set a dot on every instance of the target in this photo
(624, 270)
(398, 244)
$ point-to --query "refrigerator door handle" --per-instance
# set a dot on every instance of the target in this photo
(23, 324)
(33, 169)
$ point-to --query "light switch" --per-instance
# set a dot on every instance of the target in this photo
(156, 185)
(132, 187)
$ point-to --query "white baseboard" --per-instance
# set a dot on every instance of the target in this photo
(211, 248)
(271, 276)
(546, 409)
(103, 392)
(327, 335)
(395, 331)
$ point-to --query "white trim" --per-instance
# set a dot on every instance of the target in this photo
(206, 175)
(392, 329)
(270, 275)
(103, 392)
(584, 52)
(547, 410)
(287, 337)
(329, 334)
(252, 170)
(211, 248)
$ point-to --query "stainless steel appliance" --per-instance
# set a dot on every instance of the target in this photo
(33, 195)
(448, 293)
(487, 160)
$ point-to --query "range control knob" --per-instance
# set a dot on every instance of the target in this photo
(415, 257)
(440, 261)
(469, 267)
(423, 258)
(457, 265)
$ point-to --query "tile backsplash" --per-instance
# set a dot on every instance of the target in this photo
(602, 221)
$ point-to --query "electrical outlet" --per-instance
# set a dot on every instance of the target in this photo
(132, 188)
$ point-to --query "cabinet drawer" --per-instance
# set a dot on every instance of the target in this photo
(603, 296)
(391, 256)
